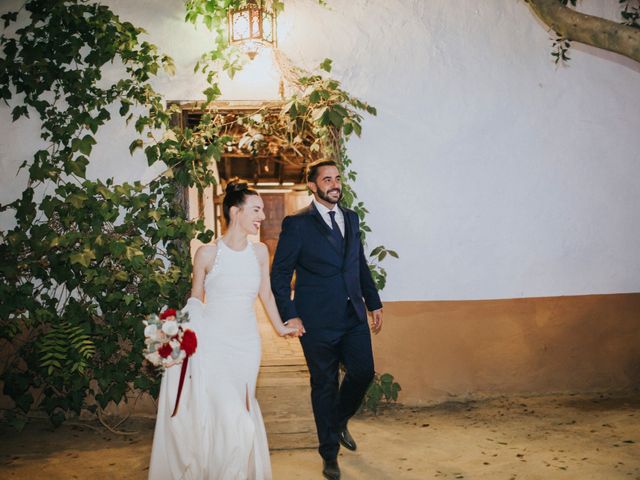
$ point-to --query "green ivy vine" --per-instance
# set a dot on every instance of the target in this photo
(320, 111)
(87, 259)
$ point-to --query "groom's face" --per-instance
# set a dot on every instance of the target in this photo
(327, 187)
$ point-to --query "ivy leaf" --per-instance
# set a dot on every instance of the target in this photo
(77, 199)
(212, 93)
(19, 111)
(135, 145)
(213, 151)
(169, 65)
(395, 388)
(326, 65)
(83, 258)
(77, 166)
(131, 252)
(121, 276)
(317, 115)
(9, 17)
(152, 152)
(335, 118)
(86, 144)
(124, 107)
(5, 94)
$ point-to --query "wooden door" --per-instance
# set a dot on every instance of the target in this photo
(271, 226)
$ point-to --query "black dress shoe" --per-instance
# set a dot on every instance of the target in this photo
(346, 440)
(331, 470)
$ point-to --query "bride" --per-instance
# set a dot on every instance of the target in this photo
(218, 432)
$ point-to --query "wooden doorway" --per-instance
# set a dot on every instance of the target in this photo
(274, 211)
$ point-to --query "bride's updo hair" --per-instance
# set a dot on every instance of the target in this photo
(235, 195)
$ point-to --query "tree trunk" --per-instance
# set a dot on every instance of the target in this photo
(595, 31)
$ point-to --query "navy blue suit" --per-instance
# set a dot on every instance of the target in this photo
(333, 291)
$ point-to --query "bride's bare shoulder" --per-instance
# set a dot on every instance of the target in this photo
(261, 250)
(205, 254)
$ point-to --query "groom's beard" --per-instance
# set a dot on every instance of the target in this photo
(325, 195)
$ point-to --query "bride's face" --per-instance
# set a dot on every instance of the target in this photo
(251, 214)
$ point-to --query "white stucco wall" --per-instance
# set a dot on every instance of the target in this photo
(493, 173)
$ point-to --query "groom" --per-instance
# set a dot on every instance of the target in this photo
(321, 243)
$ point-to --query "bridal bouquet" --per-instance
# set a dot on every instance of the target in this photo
(167, 341)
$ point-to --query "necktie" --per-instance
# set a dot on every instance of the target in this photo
(335, 229)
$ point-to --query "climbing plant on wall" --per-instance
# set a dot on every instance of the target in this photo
(88, 258)
(319, 111)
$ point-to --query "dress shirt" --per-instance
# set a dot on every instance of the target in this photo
(324, 213)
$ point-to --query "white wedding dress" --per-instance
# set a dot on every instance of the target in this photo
(218, 432)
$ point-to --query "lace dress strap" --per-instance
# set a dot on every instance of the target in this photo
(216, 260)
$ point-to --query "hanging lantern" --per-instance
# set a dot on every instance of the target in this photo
(252, 26)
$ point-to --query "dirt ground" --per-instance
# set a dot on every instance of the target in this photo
(544, 437)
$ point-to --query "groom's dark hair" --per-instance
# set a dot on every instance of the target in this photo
(312, 168)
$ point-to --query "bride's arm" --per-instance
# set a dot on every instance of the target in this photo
(204, 258)
(266, 295)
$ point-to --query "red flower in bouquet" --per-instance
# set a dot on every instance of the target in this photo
(169, 312)
(160, 333)
(165, 350)
(189, 342)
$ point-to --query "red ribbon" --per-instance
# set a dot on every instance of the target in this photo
(183, 372)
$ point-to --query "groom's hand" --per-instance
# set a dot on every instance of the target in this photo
(297, 324)
(376, 321)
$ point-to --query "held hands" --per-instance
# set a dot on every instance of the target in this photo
(376, 321)
(295, 327)
(289, 332)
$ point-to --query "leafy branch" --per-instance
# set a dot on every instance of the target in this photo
(571, 25)
(87, 259)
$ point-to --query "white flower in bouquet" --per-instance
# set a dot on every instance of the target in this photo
(170, 328)
(154, 358)
(150, 331)
(166, 344)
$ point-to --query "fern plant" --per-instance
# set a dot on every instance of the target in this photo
(66, 349)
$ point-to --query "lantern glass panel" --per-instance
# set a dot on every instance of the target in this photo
(267, 27)
(255, 24)
(241, 26)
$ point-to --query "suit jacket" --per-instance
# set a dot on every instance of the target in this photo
(327, 276)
